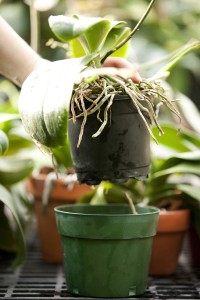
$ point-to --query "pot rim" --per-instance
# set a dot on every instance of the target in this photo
(60, 209)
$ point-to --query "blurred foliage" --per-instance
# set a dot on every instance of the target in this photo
(15, 205)
(17, 14)
(18, 158)
(169, 25)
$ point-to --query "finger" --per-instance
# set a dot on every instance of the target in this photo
(122, 63)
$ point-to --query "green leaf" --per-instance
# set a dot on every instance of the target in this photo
(4, 143)
(96, 34)
(181, 52)
(185, 167)
(13, 170)
(157, 195)
(7, 240)
(99, 196)
(89, 32)
(66, 28)
(114, 37)
(185, 140)
(191, 157)
(63, 156)
(77, 48)
(191, 191)
(18, 143)
(6, 198)
(187, 105)
(45, 100)
(4, 117)
(176, 56)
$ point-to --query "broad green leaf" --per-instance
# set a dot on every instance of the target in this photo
(191, 158)
(180, 53)
(190, 190)
(97, 34)
(5, 117)
(176, 56)
(6, 198)
(185, 140)
(4, 143)
(7, 240)
(91, 32)
(18, 143)
(186, 168)
(13, 170)
(158, 197)
(114, 37)
(77, 48)
(187, 108)
(67, 28)
(45, 100)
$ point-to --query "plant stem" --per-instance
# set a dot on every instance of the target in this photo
(136, 28)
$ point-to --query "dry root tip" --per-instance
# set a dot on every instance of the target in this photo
(132, 206)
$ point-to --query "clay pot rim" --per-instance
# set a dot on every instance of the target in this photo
(174, 220)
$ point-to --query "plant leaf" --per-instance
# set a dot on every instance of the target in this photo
(174, 58)
(7, 240)
(66, 28)
(187, 105)
(6, 198)
(4, 117)
(89, 32)
(114, 37)
(191, 157)
(186, 140)
(185, 167)
(13, 170)
(191, 191)
(77, 48)
(4, 143)
(45, 99)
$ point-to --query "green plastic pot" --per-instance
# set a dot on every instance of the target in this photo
(106, 248)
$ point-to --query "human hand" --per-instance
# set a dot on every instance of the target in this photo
(118, 62)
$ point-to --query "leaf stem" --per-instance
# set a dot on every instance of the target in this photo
(135, 29)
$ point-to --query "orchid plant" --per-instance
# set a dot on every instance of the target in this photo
(51, 92)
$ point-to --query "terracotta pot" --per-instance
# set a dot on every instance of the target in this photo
(194, 244)
(50, 243)
(167, 244)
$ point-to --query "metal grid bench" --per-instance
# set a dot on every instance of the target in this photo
(36, 279)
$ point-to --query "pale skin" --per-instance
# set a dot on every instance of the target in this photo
(18, 60)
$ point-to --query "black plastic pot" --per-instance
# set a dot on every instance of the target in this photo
(120, 152)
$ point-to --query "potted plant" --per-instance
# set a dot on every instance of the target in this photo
(173, 186)
(187, 188)
(58, 102)
(91, 94)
